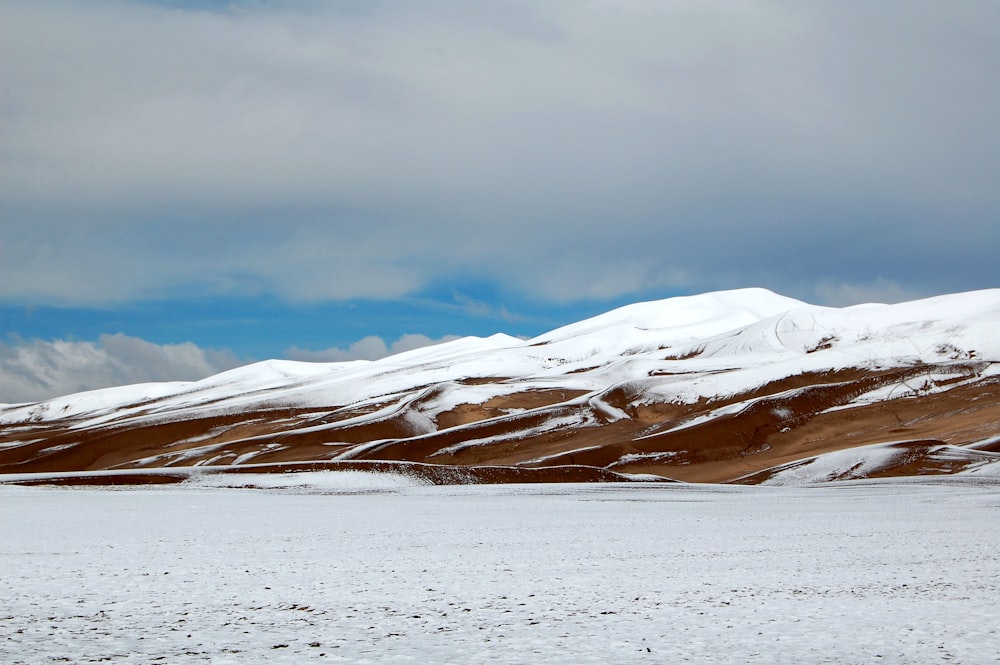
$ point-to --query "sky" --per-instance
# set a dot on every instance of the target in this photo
(186, 186)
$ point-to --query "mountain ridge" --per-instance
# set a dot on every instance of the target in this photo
(716, 387)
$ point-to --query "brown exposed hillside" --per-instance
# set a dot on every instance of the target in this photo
(706, 441)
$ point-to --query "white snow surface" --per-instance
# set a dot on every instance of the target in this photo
(862, 461)
(679, 349)
(320, 481)
(848, 464)
(863, 572)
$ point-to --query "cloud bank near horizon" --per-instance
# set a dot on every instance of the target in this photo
(36, 370)
(565, 150)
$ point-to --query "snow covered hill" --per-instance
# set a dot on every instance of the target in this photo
(743, 384)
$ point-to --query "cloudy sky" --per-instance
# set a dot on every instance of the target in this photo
(189, 185)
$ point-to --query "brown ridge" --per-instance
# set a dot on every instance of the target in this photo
(783, 421)
(434, 474)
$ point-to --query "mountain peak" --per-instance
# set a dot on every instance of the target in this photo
(712, 387)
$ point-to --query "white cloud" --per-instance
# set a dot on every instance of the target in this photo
(36, 370)
(485, 310)
(565, 149)
(367, 348)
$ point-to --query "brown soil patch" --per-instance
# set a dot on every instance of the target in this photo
(753, 442)
(435, 474)
(501, 405)
(782, 421)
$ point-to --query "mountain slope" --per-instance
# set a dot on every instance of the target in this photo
(716, 387)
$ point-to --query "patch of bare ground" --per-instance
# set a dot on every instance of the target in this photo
(445, 474)
(475, 443)
(958, 417)
(783, 428)
(914, 458)
(531, 438)
(709, 445)
(669, 414)
(81, 449)
(727, 448)
(101, 480)
(434, 474)
(711, 440)
(925, 459)
(501, 405)
(482, 380)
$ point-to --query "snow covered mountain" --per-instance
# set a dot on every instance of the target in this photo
(744, 385)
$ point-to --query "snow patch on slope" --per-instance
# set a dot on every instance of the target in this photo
(678, 350)
(864, 461)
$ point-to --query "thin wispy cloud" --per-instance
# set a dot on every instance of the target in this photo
(372, 347)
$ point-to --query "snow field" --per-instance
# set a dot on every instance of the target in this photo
(355, 571)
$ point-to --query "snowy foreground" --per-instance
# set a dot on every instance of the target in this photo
(352, 568)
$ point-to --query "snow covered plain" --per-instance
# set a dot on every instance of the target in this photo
(352, 568)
